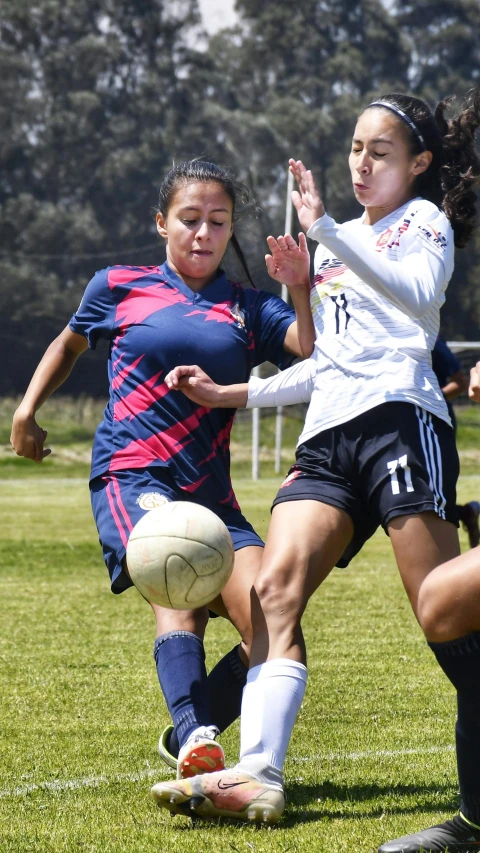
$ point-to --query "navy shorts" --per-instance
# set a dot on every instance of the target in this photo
(119, 500)
(396, 459)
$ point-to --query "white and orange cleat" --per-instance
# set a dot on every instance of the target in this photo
(230, 793)
(200, 754)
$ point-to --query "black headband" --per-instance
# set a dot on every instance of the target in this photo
(403, 116)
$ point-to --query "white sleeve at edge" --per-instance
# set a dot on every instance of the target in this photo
(412, 285)
(294, 385)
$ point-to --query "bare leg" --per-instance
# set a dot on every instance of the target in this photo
(305, 540)
(449, 600)
(420, 543)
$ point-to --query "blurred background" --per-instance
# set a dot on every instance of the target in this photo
(99, 98)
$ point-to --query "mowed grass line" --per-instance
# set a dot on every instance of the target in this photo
(81, 711)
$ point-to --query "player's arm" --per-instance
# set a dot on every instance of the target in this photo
(27, 437)
(294, 385)
(289, 263)
(412, 285)
(474, 387)
(457, 384)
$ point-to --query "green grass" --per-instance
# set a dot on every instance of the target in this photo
(81, 711)
(71, 424)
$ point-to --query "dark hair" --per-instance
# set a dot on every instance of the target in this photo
(202, 170)
(449, 182)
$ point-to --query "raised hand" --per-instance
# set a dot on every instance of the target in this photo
(289, 262)
(307, 201)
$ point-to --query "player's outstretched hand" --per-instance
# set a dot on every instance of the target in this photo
(307, 201)
(195, 384)
(474, 387)
(27, 438)
(289, 262)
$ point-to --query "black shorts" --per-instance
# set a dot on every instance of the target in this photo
(396, 459)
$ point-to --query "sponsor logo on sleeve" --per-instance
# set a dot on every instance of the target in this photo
(436, 237)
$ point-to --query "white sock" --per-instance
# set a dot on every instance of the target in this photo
(271, 701)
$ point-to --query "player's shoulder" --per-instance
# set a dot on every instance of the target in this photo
(250, 297)
(421, 210)
(122, 274)
(430, 224)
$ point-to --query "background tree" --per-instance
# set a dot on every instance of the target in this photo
(444, 45)
(99, 97)
(95, 101)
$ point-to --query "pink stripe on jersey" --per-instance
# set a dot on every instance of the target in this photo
(120, 275)
(121, 506)
(192, 487)
(140, 303)
(140, 399)
(114, 512)
(229, 498)
(221, 439)
(220, 312)
(119, 379)
(163, 445)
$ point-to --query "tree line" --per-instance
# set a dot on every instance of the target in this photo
(99, 97)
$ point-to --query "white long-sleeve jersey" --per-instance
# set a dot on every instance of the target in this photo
(376, 298)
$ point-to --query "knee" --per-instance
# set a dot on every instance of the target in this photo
(278, 595)
(436, 611)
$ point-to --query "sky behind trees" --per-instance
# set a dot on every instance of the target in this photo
(217, 14)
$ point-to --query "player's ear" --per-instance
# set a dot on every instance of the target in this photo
(161, 225)
(422, 162)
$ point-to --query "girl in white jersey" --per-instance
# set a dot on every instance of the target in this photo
(377, 446)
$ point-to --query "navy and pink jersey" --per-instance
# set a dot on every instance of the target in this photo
(155, 322)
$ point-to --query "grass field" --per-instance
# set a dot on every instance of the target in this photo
(81, 711)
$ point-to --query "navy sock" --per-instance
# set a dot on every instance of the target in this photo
(180, 660)
(460, 661)
(225, 685)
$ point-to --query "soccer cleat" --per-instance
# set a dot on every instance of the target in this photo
(200, 754)
(469, 517)
(229, 794)
(453, 836)
(163, 749)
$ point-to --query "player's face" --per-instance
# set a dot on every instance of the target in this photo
(382, 167)
(197, 228)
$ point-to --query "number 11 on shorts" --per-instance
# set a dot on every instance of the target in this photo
(393, 467)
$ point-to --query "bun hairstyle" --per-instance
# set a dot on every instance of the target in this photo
(450, 180)
(203, 171)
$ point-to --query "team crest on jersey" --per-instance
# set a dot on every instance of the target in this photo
(150, 500)
(238, 315)
(383, 240)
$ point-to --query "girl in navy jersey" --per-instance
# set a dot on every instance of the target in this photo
(377, 446)
(155, 446)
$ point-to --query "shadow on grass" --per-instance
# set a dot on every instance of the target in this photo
(299, 796)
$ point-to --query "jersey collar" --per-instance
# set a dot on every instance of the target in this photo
(219, 290)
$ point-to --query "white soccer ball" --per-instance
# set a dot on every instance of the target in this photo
(180, 555)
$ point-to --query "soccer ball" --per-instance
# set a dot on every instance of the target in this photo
(180, 555)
